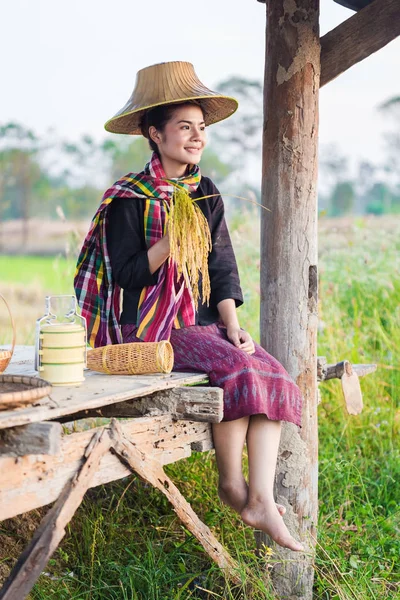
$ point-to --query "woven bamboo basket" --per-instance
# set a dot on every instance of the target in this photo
(135, 358)
(6, 355)
(17, 391)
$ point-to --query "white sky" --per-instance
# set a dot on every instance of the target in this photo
(71, 64)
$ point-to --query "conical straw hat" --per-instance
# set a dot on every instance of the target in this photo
(169, 83)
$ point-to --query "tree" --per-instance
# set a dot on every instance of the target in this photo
(19, 172)
(379, 199)
(125, 154)
(238, 139)
(342, 199)
(84, 162)
(391, 110)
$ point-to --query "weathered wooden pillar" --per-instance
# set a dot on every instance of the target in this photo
(288, 263)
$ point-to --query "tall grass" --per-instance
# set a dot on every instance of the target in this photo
(125, 542)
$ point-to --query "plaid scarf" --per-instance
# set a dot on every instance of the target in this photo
(163, 306)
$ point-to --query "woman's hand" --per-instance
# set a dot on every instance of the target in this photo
(240, 339)
(158, 253)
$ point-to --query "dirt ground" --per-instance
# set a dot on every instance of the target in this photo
(15, 533)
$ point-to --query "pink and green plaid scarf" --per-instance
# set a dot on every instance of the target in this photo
(163, 306)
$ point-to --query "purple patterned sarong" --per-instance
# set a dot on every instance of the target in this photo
(253, 384)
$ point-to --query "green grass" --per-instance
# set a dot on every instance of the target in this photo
(52, 275)
(125, 541)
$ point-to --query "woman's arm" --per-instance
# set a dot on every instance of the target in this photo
(239, 338)
(134, 266)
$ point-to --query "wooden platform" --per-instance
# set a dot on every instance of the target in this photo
(40, 464)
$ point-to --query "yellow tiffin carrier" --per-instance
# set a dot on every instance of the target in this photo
(62, 353)
(60, 348)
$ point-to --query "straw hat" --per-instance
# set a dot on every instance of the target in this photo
(169, 83)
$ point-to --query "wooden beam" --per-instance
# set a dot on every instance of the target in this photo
(52, 529)
(152, 472)
(97, 390)
(362, 34)
(30, 482)
(181, 403)
(335, 371)
(289, 265)
(37, 438)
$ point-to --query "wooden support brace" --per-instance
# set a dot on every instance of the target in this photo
(336, 371)
(202, 445)
(359, 36)
(32, 481)
(349, 375)
(52, 529)
(152, 472)
(36, 438)
(202, 404)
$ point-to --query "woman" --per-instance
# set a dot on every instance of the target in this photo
(129, 247)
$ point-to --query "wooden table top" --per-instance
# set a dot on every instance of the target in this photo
(97, 390)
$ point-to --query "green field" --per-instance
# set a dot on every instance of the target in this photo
(126, 543)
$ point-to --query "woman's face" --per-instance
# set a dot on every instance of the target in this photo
(183, 140)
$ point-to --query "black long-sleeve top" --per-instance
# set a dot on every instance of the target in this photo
(130, 264)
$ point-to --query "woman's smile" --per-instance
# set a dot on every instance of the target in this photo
(193, 150)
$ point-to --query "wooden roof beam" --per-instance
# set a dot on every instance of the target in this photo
(359, 36)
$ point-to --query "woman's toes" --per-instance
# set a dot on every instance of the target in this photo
(281, 509)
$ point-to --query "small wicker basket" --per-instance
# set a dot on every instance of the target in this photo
(6, 355)
(135, 358)
(17, 391)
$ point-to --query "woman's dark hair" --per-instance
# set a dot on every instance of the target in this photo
(159, 116)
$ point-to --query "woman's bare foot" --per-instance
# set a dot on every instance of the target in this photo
(265, 515)
(235, 495)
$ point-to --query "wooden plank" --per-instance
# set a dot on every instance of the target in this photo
(359, 36)
(52, 529)
(97, 390)
(363, 370)
(289, 265)
(182, 403)
(33, 481)
(36, 438)
(352, 391)
(151, 471)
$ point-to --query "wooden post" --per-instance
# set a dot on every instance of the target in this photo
(288, 264)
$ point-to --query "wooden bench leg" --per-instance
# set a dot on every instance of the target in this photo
(52, 528)
(151, 471)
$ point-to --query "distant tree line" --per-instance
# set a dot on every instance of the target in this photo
(41, 176)
(376, 187)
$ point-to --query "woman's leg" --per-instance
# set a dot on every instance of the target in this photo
(229, 438)
(261, 512)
